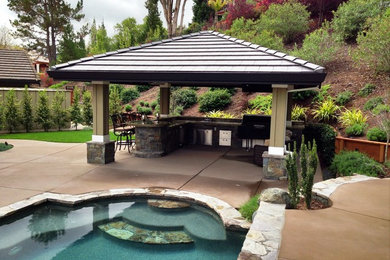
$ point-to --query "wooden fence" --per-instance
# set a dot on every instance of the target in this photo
(375, 150)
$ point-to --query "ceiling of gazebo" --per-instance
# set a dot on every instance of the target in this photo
(200, 59)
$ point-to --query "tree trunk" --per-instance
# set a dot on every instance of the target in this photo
(171, 15)
(182, 17)
(215, 18)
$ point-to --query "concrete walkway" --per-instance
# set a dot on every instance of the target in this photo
(357, 226)
(33, 167)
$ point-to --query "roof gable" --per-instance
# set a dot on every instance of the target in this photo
(204, 53)
(16, 68)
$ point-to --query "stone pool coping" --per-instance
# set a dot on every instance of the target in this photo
(230, 217)
(264, 237)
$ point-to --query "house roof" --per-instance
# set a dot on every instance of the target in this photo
(16, 69)
(203, 59)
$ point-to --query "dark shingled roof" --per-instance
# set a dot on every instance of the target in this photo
(203, 59)
(16, 69)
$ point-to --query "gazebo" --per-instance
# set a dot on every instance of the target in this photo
(206, 58)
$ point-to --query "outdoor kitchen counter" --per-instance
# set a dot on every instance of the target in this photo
(157, 138)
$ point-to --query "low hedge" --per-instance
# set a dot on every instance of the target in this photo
(347, 163)
(214, 100)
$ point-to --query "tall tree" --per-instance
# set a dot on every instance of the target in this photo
(172, 9)
(202, 11)
(87, 109)
(71, 47)
(11, 112)
(152, 22)
(43, 115)
(102, 43)
(40, 22)
(60, 115)
(75, 110)
(5, 37)
(128, 33)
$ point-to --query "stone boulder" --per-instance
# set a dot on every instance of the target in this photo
(276, 196)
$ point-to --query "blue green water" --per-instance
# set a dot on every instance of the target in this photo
(59, 232)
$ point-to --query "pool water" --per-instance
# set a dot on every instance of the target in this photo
(51, 231)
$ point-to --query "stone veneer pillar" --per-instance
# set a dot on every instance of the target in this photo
(273, 160)
(165, 94)
(100, 150)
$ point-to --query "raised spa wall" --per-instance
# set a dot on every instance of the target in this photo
(158, 138)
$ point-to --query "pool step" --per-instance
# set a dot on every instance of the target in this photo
(125, 231)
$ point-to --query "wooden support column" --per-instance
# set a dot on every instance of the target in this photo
(100, 150)
(278, 120)
(100, 105)
(165, 94)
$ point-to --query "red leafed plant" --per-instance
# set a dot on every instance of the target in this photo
(240, 8)
(262, 5)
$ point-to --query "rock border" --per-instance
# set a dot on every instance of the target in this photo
(264, 237)
(230, 217)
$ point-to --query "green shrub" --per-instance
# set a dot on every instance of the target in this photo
(11, 111)
(251, 31)
(288, 20)
(142, 103)
(366, 90)
(87, 112)
(195, 88)
(326, 111)
(146, 104)
(59, 85)
(219, 114)
(325, 137)
(214, 100)
(376, 134)
(343, 98)
(318, 47)
(380, 109)
(115, 101)
(347, 163)
(116, 87)
(178, 111)
(374, 44)
(184, 97)
(231, 91)
(298, 113)
(43, 115)
(143, 88)
(373, 103)
(128, 108)
(129, 94)
(250, 207)
(322, 94)
(351, 117)
(144, 110)
(262, 103)
(252, 111)
(355, 129)
(303, 95)
(350, 17)
(153, 104)
(26, 110)
(59, 114)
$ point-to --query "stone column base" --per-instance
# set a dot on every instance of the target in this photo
(100, 152)
(274, 167)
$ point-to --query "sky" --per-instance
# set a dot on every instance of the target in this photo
(109, 11)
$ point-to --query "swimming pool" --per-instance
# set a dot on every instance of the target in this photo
(117, 229)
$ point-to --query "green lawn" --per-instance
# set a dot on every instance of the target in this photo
(80, 136)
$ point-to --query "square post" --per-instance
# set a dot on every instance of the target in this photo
(273, 160)
(165, 94)
(100, 150)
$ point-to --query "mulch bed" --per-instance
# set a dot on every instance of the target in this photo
(315, 204)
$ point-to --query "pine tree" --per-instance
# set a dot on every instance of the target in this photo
(202, 11)
(102, 43)
(71, 47)
(87, 109)
(11, 113)
(40, 23)
(153, 27)
(75, 110)
(60, 115)
(43, 115)
(27, 111)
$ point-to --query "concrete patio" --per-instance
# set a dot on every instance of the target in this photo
(357, 226)
(33, 167)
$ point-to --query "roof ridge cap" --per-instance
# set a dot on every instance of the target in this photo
(283, 54)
